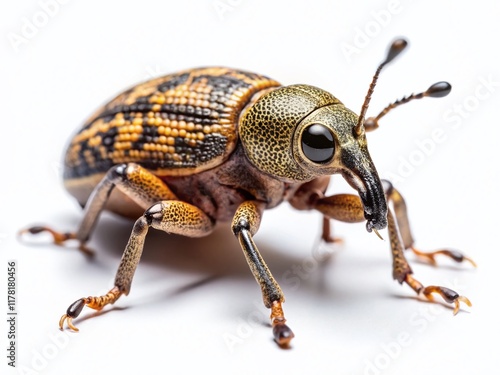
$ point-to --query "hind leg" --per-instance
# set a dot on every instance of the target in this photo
(143, 187)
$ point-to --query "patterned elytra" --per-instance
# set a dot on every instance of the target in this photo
(179, 124)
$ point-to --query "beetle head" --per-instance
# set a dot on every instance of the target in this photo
(297, 133)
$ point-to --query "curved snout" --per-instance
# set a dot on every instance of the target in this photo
(362, 175)
(349, 154)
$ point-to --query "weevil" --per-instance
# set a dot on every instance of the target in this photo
(184, 151)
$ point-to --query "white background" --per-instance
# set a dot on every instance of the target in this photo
(194, 306)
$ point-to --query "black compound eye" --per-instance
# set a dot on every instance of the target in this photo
(317, 143)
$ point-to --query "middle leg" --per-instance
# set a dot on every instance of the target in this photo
(174, 217)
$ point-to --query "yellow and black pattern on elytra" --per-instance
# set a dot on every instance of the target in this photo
(179, 124)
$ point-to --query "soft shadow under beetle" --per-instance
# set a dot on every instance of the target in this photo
(187, 150)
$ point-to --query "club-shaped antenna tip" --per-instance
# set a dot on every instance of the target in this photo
(438, 90)
(396, 48)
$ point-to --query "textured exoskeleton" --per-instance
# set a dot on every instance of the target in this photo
(182, 152)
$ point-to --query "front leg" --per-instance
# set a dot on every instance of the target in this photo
(403, 273)
(304, 198)
(245, 224)
(403, 224)
(349, 208)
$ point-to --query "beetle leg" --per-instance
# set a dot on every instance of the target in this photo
(245, 224)
(304, 198)
(133, 180)
(96, 303)
(403, 274)
(348, 208)
(169, 216)
(326, 232)
(400, 211)
(342, 207)
(447, 294)
(453, 254)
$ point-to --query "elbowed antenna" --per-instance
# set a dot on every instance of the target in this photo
(396, 48)
(437, 90)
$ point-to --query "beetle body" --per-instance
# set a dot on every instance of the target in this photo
(182, 152)
(186, 127)
(177, 126)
